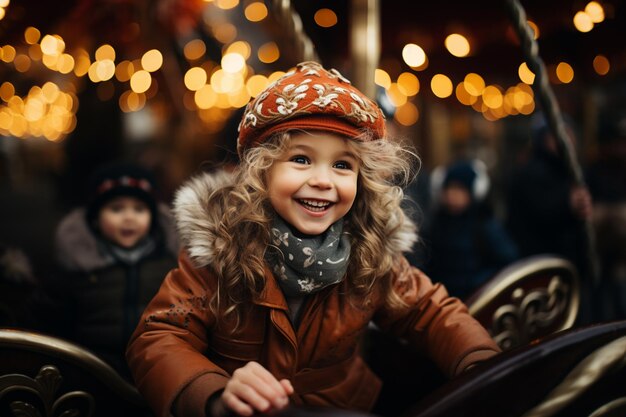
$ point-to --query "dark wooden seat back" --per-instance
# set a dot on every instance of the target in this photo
(529, 299)
(573, 373)
(41, 375)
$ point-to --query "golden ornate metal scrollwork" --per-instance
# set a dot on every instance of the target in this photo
(529, 299)
(528, 313)
(24, 396)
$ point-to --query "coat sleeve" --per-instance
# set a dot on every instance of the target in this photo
(435, 323)
(165, 353)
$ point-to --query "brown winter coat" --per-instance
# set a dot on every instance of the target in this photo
(179, 355)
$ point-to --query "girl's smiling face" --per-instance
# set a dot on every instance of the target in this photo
(314, 183)
(125, 221)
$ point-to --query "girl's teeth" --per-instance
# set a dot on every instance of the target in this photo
(315, 205)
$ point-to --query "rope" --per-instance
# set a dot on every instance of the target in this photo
(290, 20)
(553, 114)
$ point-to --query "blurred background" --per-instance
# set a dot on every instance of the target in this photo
(164, 82)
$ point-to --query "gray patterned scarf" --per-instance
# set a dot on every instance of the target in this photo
(304, 265)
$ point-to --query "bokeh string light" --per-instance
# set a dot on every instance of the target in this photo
(214, 85)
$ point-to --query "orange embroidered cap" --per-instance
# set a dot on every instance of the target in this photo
(312, 98)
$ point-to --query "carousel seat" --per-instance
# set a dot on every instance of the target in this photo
(41, 375)
(530, 298)
(572, 373)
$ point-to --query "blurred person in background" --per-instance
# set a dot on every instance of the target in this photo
(547, 209)
(112, 255)
(466, 244)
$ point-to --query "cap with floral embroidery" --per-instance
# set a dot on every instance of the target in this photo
(312, 98)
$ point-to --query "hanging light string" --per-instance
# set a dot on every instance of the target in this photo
(290, 20)
(553, 115)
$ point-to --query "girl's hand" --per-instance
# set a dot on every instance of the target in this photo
(253, 388)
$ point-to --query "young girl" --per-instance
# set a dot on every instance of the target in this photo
(288, 259)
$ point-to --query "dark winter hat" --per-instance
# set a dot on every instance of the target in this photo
(312, 98)
(471, 174)
(120, 179)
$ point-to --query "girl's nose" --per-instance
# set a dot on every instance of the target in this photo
(320, 178)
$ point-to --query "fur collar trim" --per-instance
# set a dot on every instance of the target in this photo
(77, 249)
(196, 221)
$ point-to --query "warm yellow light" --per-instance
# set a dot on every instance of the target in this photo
(124, 70)
(50, 61)
(195, 78)
(457, 45)
(382, 78)
(105, 69)
(492, 97)
(565, 72)
(152, 60)
(413, 55)
(205, 97)
(408, 84)
(22, 63)
(93, 72)
(2, 13)
(50, 92)
(34, 109)
(4, 3)
(595, 11)
(52, 45)
(140, 81)
(601, 65)
(275, 76)
(16, 104)
(255, 12)
(463, 95)
(325, 18)
(583, 22)
(226, 4)
(397, 97)
(256, 84)
(19, 127)
(34, 51)
(239, 98)
(194, 49)
(268, 53)
(521, 98)
(136, 101)
(240, 47)
(64, 63)
(7, 90)
(525, 74)
(474, 84)
(105, 52)
(225, 32)
(225, 82)
(233, 63)
(407, 114)
(81, 64)
(441, 86)
(535, 28)
(508, 105)
(222, 101)
(8, 53)
(31, 35)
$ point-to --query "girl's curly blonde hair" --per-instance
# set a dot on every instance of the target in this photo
(375, 218)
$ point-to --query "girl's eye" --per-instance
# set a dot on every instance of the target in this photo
(299, 159)
(343, 165)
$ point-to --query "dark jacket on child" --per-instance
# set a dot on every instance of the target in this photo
(102, 291)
